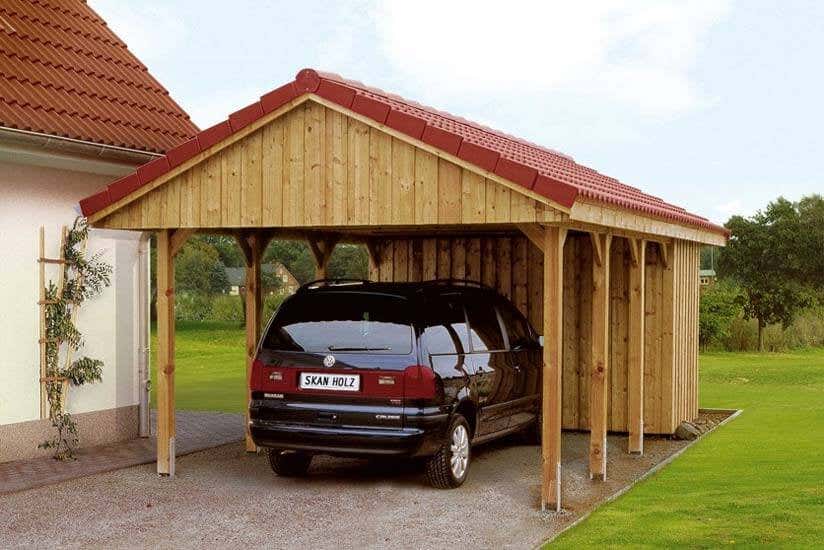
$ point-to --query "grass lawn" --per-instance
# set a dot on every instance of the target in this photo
(757, 480)
(210, 366)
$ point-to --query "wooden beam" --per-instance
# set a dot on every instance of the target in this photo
(600, 358)
(664, 254)
(165, 354)
(634, 245)
(635, 347)
(322, 249)
(620, 219)
(597, 248)
(535, 233)
(254, 310)
(554, 238)
(179, 238)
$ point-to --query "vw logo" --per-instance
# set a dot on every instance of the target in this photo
(329, 361)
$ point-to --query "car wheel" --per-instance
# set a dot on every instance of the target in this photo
(289, 463)
(449, 466)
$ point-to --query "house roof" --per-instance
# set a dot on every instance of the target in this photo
(540, 169)
(63, 72)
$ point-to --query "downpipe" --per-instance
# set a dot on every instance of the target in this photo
(143, 346)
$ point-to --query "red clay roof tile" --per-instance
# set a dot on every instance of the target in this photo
(65, 73)
(545, 171)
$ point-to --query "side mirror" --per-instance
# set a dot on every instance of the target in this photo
(541, 340)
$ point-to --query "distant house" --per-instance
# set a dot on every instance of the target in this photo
(706, 276)
(270, 273)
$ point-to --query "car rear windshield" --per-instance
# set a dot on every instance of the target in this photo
(342, 322)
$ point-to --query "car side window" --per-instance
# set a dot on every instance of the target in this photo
(445, 330)
(484, 327)
(516, 327)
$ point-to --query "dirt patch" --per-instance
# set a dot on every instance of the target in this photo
(225, 497)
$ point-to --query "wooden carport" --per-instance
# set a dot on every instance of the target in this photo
(605, 272)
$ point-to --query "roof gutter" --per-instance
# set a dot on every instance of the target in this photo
(27, 147)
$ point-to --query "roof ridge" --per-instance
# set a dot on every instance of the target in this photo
(394, 97)
(538, 169)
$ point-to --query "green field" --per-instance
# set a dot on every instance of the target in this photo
(758, 480)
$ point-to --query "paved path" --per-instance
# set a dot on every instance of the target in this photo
(196, 431)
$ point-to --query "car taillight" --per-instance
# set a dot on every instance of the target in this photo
(266, 377)
(419, 382)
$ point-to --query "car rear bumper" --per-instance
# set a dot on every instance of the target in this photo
(422, 440)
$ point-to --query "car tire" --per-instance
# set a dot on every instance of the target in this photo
(449, 467)
(289, 463)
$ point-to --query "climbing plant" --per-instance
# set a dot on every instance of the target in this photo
(83, 277)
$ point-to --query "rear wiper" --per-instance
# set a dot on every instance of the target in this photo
(336, 348)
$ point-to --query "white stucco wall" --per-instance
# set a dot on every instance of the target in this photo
(31, 196)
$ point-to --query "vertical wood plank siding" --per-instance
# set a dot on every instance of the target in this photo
(514, 266)
(317, 167)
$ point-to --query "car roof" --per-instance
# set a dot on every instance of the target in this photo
(405, 289)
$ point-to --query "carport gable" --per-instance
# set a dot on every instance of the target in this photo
(311, 162)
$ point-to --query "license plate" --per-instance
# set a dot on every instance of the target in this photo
(326, 381)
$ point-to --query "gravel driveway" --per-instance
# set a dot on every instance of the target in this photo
(224, 497)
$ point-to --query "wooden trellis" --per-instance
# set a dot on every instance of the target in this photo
(43, 303)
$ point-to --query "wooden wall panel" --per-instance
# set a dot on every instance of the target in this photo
(514, 266)
(315, 166)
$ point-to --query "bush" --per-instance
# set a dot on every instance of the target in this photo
(720, 304)
(191, 306)
(226, 307)
(807, 330)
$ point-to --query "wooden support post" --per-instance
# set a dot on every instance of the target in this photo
(253, 313)
(635, 347)
(600, 357)
(374, 258)
(553, 245)
(322, 251)
(165, 354)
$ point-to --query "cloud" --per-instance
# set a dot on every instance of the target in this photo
(638, 53)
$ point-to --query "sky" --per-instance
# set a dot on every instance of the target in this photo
(712, 105)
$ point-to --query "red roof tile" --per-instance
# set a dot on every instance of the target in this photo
(64, 72)
(540, 169)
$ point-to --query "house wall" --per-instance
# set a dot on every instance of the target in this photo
(31, 196)
(513, 266)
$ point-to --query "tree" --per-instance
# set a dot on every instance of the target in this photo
(198, 269)
(720, 304)
(295, 255)
(227, 248)
(349, 261)
(776, 257)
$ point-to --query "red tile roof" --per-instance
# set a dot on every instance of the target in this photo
(542, 170)
(64, 72)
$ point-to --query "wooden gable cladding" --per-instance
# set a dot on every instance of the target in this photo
(318, 167)
(514, 266)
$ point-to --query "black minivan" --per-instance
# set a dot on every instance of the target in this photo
(358, 368)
